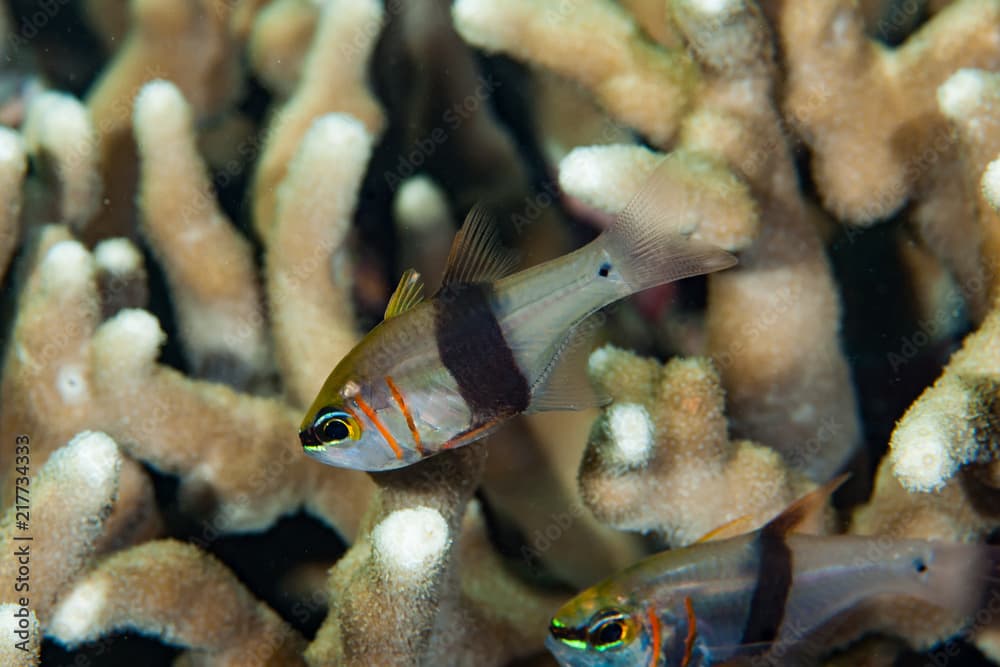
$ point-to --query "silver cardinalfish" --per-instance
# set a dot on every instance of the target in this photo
(440, 373)
(758, 598)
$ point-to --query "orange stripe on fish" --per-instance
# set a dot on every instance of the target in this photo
(692, 632)
(654, 622)
(467, 436)
(398, 397)
(380, 426)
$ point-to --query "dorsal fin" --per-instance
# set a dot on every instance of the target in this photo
(409, 292)
(476, 254)
(806, 508)
(732, 528)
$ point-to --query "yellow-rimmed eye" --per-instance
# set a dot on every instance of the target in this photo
(335, 426)
(610, 629)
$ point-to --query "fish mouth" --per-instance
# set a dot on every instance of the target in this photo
(309, 440)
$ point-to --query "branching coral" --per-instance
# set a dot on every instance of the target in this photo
(660, 458)
(219, 313)
(879, 120)
(271, 165)
(185, 597)
(12, 167)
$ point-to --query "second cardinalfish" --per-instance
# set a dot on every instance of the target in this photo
(764, 598)
(440, 373)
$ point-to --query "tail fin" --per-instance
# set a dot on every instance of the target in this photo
(647, 248)
(964, 578)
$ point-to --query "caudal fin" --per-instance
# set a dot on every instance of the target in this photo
(964, 578)
(647, 248)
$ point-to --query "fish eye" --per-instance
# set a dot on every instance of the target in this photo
(609, 629)
(333, 426)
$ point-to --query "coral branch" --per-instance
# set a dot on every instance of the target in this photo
(20, 635)
(643, 85)
(220, 312)
(956, 421)
(187, 43)
(334, 79)
(239, 461)
(173, 591)
(63, 146)
(660, 458)
(309, 267)
(13, 165)
(70, 499)
(710, 202)
(879, 117)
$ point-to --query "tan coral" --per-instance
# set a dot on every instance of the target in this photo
(21, 636)
(61, 141)
(309, 263)
(660, 458)
(709, 202)
(61, 506)
(282, 32)
(106, 377)
(880, 114)
(396, 594)
(773, 321)
(186, 42)
(969, 98)
(220, 312)
(954, 422)
(13, 164)
(333, 79)
(596, 43)
(185, 597)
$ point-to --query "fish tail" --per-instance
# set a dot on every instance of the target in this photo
(643, 248)
(964, 578)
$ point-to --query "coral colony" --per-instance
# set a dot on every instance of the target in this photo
(204, 204)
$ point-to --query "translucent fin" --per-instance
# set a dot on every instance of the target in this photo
(647, 247)
(409, 292)
(737, 526)
(476, 254)
(805, 510)
(564, 384)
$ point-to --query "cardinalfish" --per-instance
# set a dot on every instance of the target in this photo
(758, 598)
(440, 373)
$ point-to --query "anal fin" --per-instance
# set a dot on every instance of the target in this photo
(564, 384)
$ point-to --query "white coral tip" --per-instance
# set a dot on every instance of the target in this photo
(11, 147)
(961, 92)
(66, 266)
(420, 204)
(118, 256)
(991, 184)
(157, 102)
(925, 463)
(411, 541)
(74, 618)
(713, 7)
(92, 458)
(632, 431)
(338, 132)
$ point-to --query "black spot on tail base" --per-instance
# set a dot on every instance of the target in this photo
(605, 270)
(473, 349)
